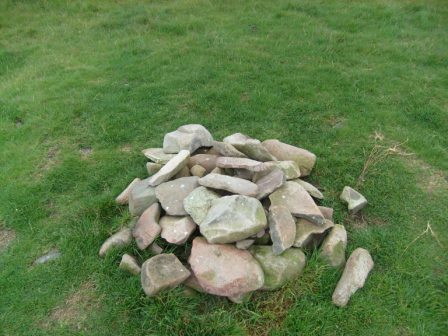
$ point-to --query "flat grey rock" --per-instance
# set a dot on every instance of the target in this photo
(177, 230)
(354, 199)
(171, 194)
(312, 190)
(170, 169)
(226, 149)
(141, 197)
(157, 155)
(240, 163)
(161, 272)
(153, 168)
(307, 231)
(244, 244)
(293, 196)
(233, 218)
(289, 168)
(187, 137)
(282, 228)
(231, 184)
(357, 268)
(123, 198)
(147, 228)
(270, 182)
(252, 148)
(326, 212)
(120, 239)
(198, 202)
(333, 246)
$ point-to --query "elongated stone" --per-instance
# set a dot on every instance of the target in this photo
(233, 218)
(357, 268)
(120, 239)
(232, 184)
(207, 161)
(226, 149)
(282, 228)
(270, 182)
(170, 169)
(123, 198)
(147, 228)
(162, 272)
(284, 152)
(129, 263)
(141, 197)
(171, 194)
(312, 190)
(279, 269)
(223, 269)
(306, 231)
(198, 202)
(250, 147)
(293, 196)
(187, 137)
(240, 163)
(157, 155)
(354, 199)
(333, 246)
(177, 230)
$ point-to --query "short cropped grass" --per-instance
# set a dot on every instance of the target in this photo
(85, 85)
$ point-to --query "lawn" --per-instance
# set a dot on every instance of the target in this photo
(86, 85)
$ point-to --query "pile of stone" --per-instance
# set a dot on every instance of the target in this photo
(244, 212)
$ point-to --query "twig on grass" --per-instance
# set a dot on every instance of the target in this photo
(428, 229)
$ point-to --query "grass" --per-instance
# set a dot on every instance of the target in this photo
(85, 85)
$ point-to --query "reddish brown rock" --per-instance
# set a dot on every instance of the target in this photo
(207, 161)
(147, 228)
(326, 212)
(270, 182)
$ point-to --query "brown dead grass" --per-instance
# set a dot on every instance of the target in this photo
(50, 160)
(430, 180)
(76, 308)
(361, 221)
(6, 237)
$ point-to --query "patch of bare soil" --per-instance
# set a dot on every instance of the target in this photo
(361, 221)
(431, 180)
(76, 308)
(50, 160)
(6, 237)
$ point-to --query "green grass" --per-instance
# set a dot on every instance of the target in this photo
(321, 75)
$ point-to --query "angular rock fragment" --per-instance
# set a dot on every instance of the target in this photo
(231, 184)
(198, 202)
(162, 272)
(171, 194)
(217, 171)
(270, 182)
(306, 231)
(187, 137)
(50, 256)
(282, 227)
(198, 170)
(289, 168)
(129, 263)
(147, 228)
(177, 230)
(284, 152)
(153, 168)
(333, 246)
(157, 155)
(123, 198)
(244, 244)
(207, 161)
(223, 269)
(357, 268)
(141, 197)
(184, 172)
(241, 163)
(354, 199)
(293, 196)
(119, 239)
(242, 173)
(312, 190)
(233, 218)
(155, 248)
(226, 149)
(279, 269)
(326, 212)
(170, 169)
(250, 147)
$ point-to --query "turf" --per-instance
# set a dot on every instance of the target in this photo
(85, 85)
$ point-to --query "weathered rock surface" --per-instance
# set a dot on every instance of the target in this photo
(207, 161)
(123, 198)
(198, 170)
(119, 239)
(198, 202)
(289, 168)
(233, 218)
(284, 152)
(270, 182)
(282, 227)
(147, 228)
(157, 155)
(155, 248)
(306, 231)
(223, 269)
(333, 246)
(244, 244)
(240, 163)
(293, 196)
(171, 194)
(279, 269)
(232, 184)
(326, 212)
(312, 190)
(141, 197)
(177, 230)
(250, 147)
(226, 149)
(162, 272)
(129, 263)
(184, 172)
(358, 267)
(187, 137)
(170, 169)
(354, 199)
(153, 168)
